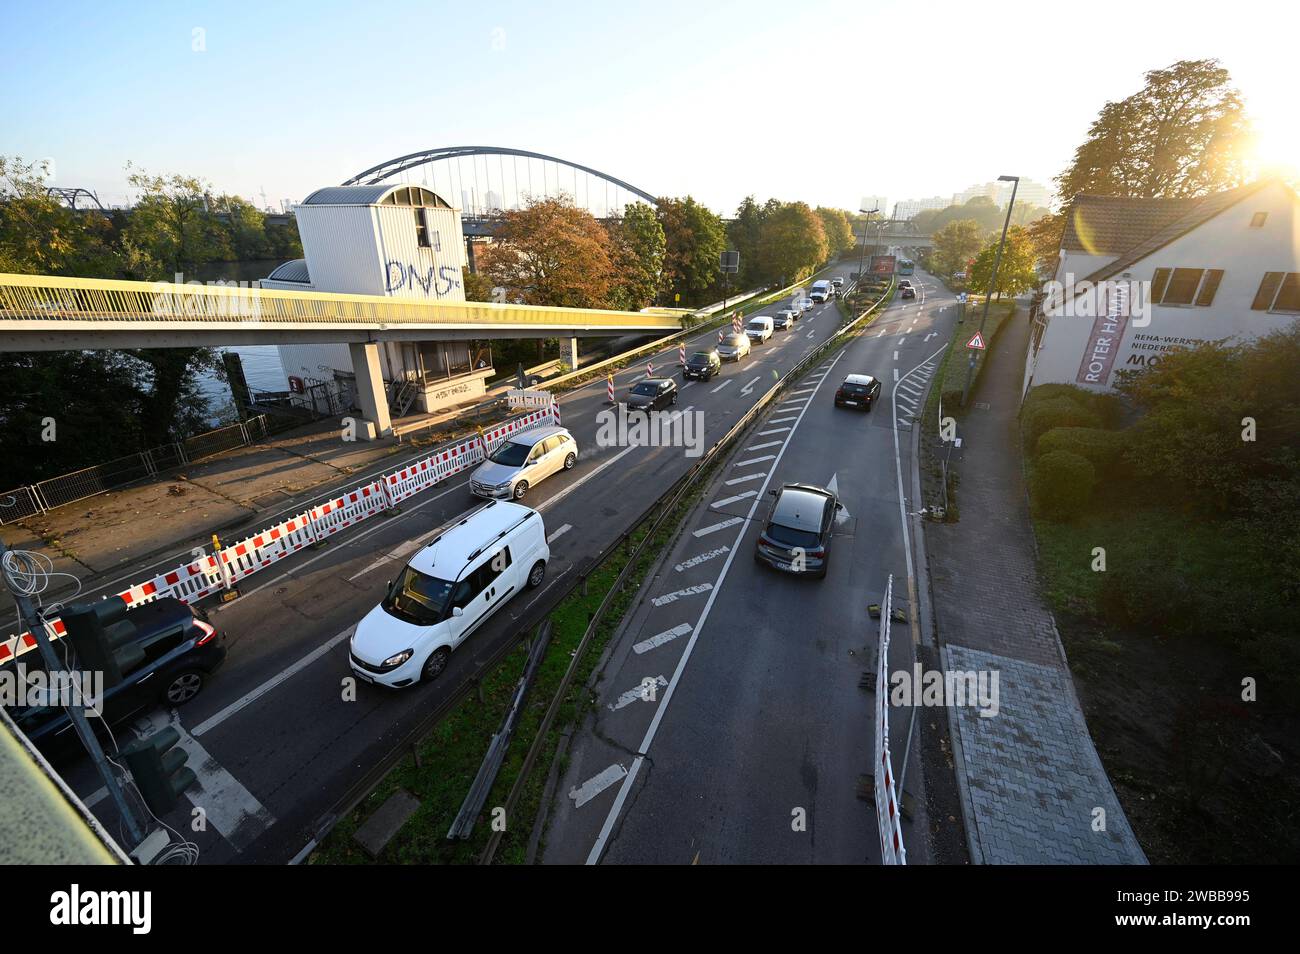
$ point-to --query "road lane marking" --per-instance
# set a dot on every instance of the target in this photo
(702, 558)
(774, 430)
(802, 391)
(895, 355)
(550, 502)
(765, 446)
(755, 460)
(741, 480)
(781, 420)
(705, 531)
(248, 698)
(556, 534)
(396, 553)
(676, 595)
(596, 784)
(721, 386)
(647, 690)
(607, 827)
(719, 504)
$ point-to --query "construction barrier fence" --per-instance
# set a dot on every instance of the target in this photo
(888, 818)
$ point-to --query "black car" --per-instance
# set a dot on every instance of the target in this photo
(797, 537)
(702, 365)
(180, 653)
(908, 291)
(858, 390)
(652, 394)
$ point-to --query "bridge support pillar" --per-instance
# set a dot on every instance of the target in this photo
(370, 391)
(573, 354)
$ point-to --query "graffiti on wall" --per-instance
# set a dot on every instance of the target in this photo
(399, 275)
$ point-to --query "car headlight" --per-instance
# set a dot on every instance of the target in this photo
(502, 486)
(394, 661)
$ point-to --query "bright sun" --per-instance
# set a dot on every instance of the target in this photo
(1275, 150)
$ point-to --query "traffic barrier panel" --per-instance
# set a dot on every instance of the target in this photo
(272, 544)
(428, 471)
(888, 820)
(349, 508)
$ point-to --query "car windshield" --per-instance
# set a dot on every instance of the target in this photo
(735, 339)
(417, 598)
(757, 325)
(511, 454)
(791, 537)
(647, 388)
(700, 357)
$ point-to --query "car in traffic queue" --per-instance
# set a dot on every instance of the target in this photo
(797, 535)
(652, 394)
(524, 461)
(733, 347)
(837, 282)
(785, 318)
(806, 305)
(702, 365)
(908, 292)
(758, 329)
(172, 653)
(450, 587)
(858, 391)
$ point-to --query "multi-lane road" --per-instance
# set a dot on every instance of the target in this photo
(277, 740)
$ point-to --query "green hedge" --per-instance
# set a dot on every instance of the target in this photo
(1109, 408)
(1061, 485)
(1043, 415)
(1100, 447)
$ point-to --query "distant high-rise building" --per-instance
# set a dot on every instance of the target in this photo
(875, 202)
(1028, 193)
(492, 201)
(987, 189)
(908, 208)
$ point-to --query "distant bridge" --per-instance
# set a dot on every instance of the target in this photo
(900, 232)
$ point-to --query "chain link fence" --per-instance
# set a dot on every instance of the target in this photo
(78, 485)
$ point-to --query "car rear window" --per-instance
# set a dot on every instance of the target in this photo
(790, 537)
(856, 388)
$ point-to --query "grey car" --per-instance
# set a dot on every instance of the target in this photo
(797, 536)
(733, 347)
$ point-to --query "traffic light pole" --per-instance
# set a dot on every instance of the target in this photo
(30, 618)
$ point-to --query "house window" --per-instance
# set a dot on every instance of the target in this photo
(1185, 286)
(1288, 291)
(1258, 219)
(421, 229)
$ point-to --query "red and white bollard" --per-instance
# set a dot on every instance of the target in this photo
(721, 334)
(681, 353)
(609, 389)
(649, 370)
(735, 323)
(555, 411)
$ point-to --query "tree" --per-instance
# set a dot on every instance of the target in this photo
(1181, 135)
(1044, 237)
(1016, 271)
(639, 247)
(839, 234)
(955, 245)
(743, 233)
(695, 239)
(171, 221)
(793, 242)
(39, 235)
(552, 253)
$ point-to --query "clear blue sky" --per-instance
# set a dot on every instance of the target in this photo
(291, 96)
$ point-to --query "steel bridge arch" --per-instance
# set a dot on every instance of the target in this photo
(377, 174)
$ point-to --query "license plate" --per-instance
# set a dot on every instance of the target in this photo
(783, 566)
(852, 403)
(364, 675)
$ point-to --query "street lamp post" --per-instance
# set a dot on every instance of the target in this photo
(865, 225)
(993, 281)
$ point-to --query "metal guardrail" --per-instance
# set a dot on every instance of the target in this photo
(658, 510)
(44, 302)
(68, 488)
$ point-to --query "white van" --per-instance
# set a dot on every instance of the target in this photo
(449, 589)
(759, 328)
(821, 291)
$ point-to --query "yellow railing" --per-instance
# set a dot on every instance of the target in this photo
(45, 298)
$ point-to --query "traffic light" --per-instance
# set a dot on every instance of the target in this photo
(103, 638)
(158, 766)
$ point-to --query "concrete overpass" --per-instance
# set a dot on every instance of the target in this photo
(900, 232)
(46, 313)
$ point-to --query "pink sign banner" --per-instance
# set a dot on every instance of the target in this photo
(1104, 341)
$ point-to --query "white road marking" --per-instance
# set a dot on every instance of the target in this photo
(750, 386)
(895, 374)
(640, 693)
(705, 531)
(774, 430)
(253, 695)
(929, 336)
(791, 405)
(803, 391)
(702, 558)
(661, 638)
(782, 420)
(396, 553)
(596, 784)
(676, 595)
(718, 504)
(741, 480)
(721, 386)
(586, 477)
(598, 847)
(556, 534)
(765, 446)
(755, 460)
(895, 355)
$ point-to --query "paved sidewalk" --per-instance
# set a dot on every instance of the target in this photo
(1030, 778)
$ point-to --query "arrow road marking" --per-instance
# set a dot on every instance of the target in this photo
(748, 388)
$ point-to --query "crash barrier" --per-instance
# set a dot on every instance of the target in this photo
(522, 397)
(208, 573)
(90, 481)
(888, 820)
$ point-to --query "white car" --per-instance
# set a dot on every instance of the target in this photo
(449, 589)
(524, 461)
(806, 305)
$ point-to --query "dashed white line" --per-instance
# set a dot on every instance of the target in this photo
(719, 504)
(558, 532)
(705, 531)
(741, 480)
(774, 430)
(721, 386)
(765, 446)
(755, 460)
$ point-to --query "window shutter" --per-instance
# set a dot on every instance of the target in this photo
(1288, 296)
(1209, 286)
(1158, 285)
(1267, 289)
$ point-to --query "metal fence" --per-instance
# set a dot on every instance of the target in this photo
(89, 481)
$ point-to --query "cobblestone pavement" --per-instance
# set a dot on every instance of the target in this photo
(1030, 776)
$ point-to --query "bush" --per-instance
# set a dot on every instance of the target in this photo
(1061, 485)
(1108, 407)
(1043, 415)
(1101, 447)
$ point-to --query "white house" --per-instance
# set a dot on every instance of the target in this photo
(397, 240)
(1139, 277)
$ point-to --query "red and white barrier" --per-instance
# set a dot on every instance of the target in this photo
(609, 389)
(735, 323)
(681, 353)
(649, 369)
(439, 465)
(888, 818)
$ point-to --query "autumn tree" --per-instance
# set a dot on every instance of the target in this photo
(551, 252)
(695, 238)
(172, 222)
(955, 245)
(743, 234)
(1181, 135)
(1016, 271)
(638, 249)
(793, 242)
(839, 234)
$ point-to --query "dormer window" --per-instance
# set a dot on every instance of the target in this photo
(1258, 219)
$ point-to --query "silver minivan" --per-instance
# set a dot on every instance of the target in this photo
(522, 462)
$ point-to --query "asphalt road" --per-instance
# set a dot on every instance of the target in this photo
(750, 741)
(274, 738)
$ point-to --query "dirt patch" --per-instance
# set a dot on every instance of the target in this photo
(1204, 777)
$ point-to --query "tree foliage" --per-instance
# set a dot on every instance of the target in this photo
(955, 245)
(793, 243)
(839, 234)
(1181, 135)
(639, 248)
(695, 238)
(1016, 271)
